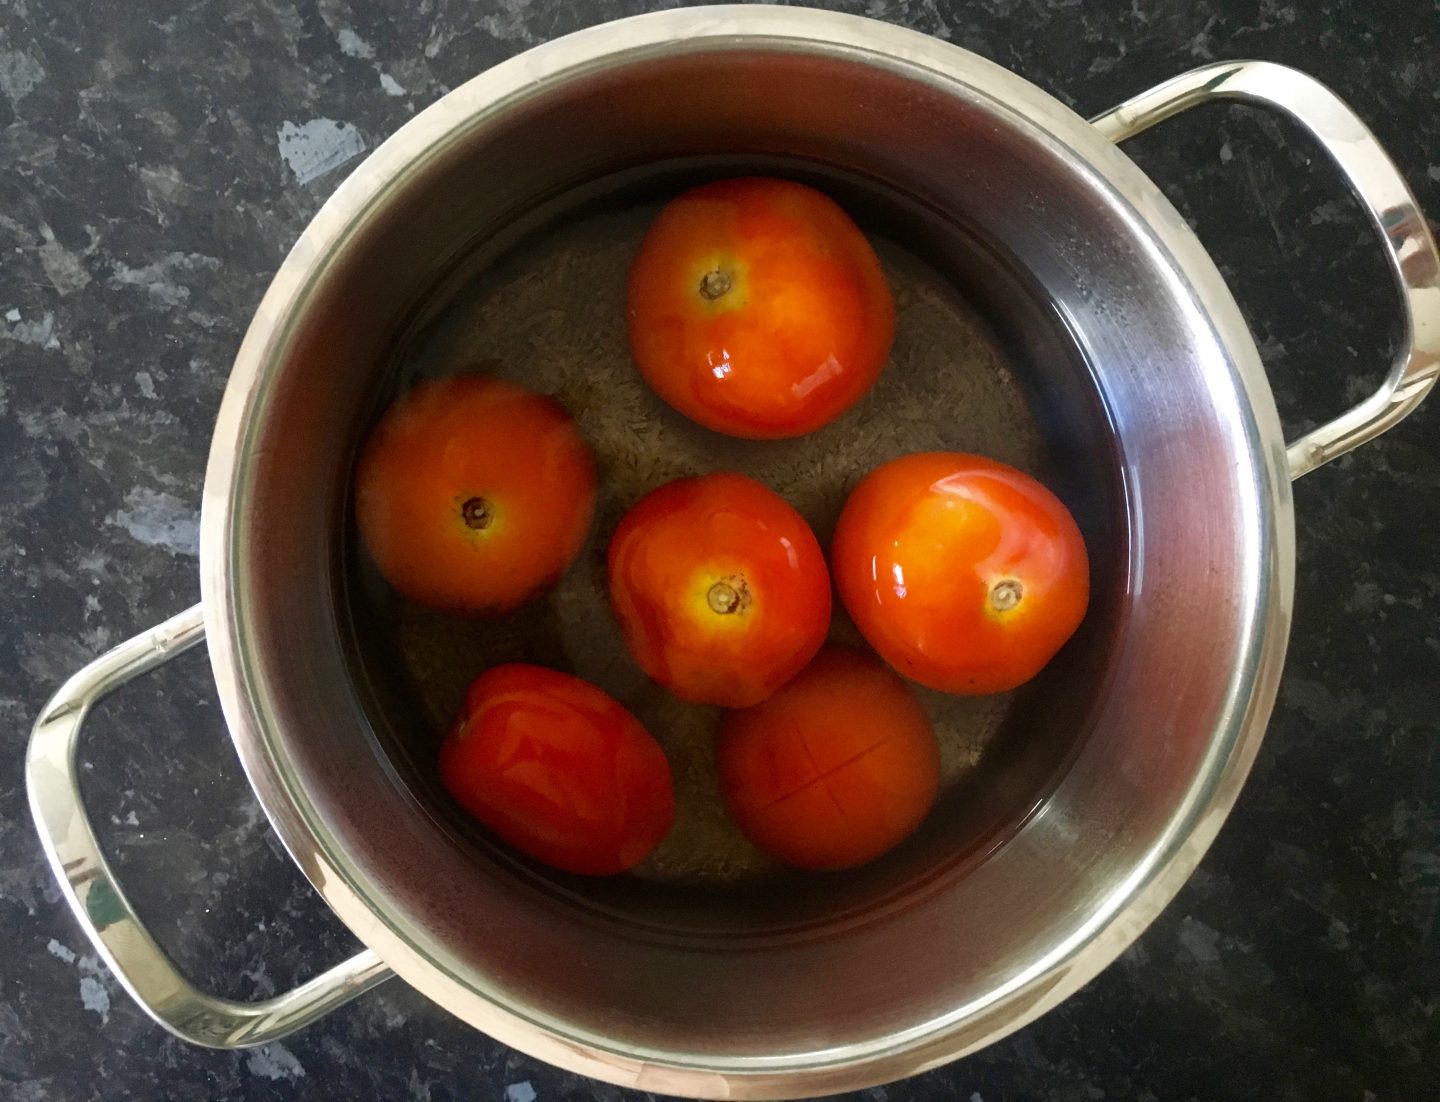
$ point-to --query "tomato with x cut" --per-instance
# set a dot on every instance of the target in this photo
(835, 769)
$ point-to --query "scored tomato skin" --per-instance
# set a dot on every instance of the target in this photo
(514, 456)
(965, 574)
(559, 770)
(802, 331)
(680, 542)
(835, 769)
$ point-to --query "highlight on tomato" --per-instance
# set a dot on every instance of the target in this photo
(474, 494)
(559, 770)
(757, 308)
(836, 768)
(965, 574)
(719, 587)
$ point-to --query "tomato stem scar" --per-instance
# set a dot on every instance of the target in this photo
(1006, 594)
(477, 513)
(715, 284)
(725, 597)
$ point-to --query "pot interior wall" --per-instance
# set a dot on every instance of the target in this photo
(1081, 777)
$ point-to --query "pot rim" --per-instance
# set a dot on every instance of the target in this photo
(1093, 943)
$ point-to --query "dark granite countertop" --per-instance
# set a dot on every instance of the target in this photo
(156, 160)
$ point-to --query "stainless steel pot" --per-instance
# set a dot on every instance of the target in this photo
(940, 962)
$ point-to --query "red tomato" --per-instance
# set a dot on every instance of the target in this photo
(835, 769)
(559, 770)
(965, 574)
(758, 309)
(720, 588)
(474, 494)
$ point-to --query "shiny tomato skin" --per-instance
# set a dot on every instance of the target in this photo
(835, 769)
(802, 330)
(965, 574)
(720, 588)
(474, 494)
(559, 770)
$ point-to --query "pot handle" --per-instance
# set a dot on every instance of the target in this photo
(1381, 191)
(100, 906)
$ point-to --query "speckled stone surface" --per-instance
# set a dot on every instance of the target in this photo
(156, 160)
